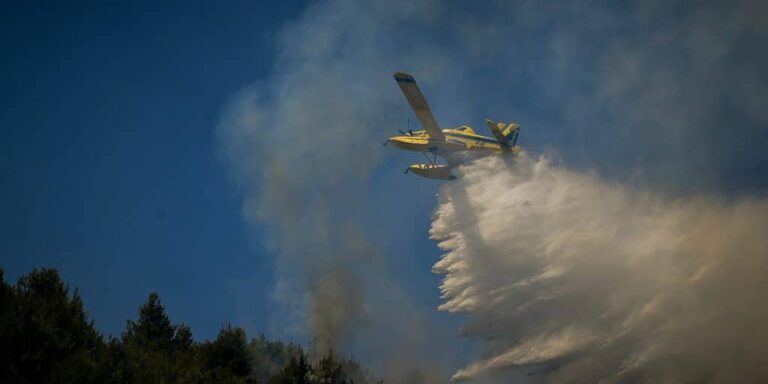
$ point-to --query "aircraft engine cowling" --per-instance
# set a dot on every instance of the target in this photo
(432, 171)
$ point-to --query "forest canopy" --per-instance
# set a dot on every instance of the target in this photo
(47, 337)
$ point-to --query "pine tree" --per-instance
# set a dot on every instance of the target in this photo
(46, 337)
(297, 371)
(152, 349)
(153, 329)
(45, 333)
(330, 371)
(228, 353)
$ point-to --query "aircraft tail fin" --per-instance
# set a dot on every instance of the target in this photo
(506, 134)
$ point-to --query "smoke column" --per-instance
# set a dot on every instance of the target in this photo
(666, 94)
(302, 146)
(574, 279)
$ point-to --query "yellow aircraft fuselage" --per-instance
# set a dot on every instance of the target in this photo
(458, 139)
(446, 142)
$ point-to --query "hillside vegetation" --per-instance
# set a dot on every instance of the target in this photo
(46, 337)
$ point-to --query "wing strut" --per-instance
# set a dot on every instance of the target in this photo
(432, 161)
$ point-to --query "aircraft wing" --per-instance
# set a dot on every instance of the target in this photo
(419, 105)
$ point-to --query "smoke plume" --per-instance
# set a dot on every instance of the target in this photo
(575, 279)
(302, 146)
(657, 93)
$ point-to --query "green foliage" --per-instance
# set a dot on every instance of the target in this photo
(46, 337)
(228, 355)
(153, 325)
(297, 371)
(153, 350)
(330, 371)
(270, 357)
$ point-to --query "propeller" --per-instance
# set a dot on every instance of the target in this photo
(407, 170)
(409, 133)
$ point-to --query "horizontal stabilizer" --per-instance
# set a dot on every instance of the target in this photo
(506, 134)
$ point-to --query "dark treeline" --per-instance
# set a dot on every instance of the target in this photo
(46, 337)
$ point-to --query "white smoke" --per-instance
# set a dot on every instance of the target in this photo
(654, 84)
(577, 279)
(302, 146)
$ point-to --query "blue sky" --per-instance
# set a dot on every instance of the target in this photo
(109, 166)
(112, 173)
(229, 156)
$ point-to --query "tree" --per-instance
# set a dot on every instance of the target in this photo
(152, 349)
(46, 337)
(228, 355)
(182, 339)
(297, 371)
(45, 333)
(330, 371)
(153, 329)
(8, 320)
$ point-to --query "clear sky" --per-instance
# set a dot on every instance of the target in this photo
(228, 154)
(108, 163)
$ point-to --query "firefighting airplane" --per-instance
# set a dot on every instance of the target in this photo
(448, 143)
